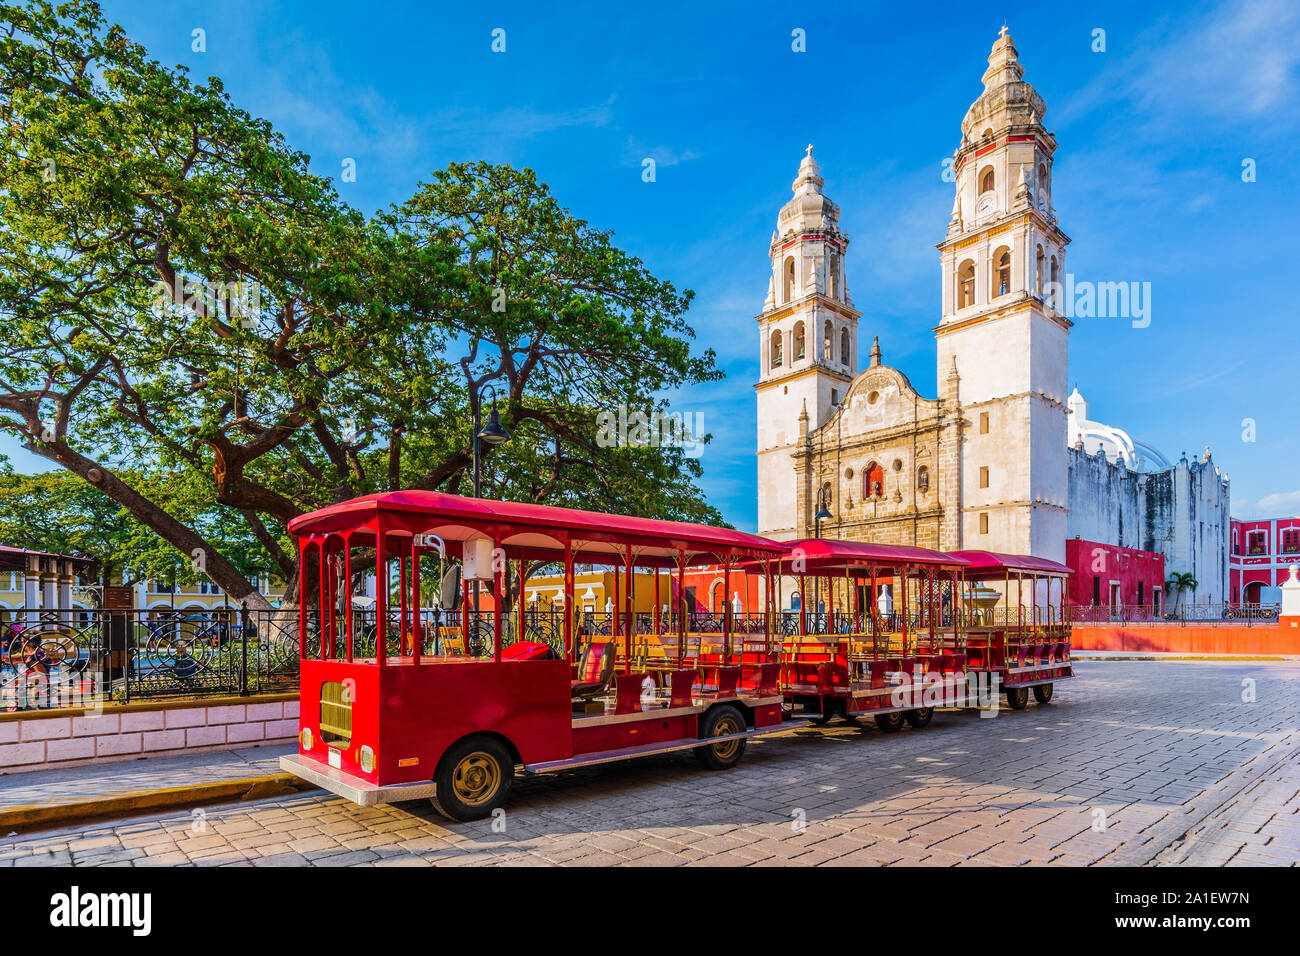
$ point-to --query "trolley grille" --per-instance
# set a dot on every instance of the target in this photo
(335, 713)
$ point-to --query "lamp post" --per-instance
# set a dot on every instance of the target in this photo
(493, 433)
(823, 514)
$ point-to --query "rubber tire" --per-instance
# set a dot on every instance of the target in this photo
(890, 723)
(829, 713)
(1043, 693)
(708, 756)
(920, 717)
(445, 800)
(1017, 698)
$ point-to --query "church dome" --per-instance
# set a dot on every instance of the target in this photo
(1007, 99)
(808, 209)
(1114, 443)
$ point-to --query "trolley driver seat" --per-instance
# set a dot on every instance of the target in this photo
(595, 671)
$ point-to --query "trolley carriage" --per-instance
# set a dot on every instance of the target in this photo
(384, 718)
(1026, 645)
(883, 636)
(903, 630)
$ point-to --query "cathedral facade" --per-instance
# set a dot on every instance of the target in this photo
(981, 465)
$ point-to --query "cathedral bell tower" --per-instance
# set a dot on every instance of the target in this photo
(1002, 326)
(808, 342)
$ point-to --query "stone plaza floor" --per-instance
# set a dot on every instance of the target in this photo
(1133, 763)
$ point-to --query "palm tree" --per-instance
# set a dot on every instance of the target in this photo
(1178, 582)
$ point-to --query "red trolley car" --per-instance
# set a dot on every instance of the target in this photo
(405, 701)
(393, 707)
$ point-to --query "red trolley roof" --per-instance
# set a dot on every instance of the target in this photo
(991, 564)
(538, 532)
(827, 554)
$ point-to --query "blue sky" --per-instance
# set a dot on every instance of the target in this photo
(1148, 178)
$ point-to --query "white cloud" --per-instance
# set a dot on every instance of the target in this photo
(1280, 505)
(1238, 61)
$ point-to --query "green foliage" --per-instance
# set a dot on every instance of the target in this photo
(199, 327)
(59, 512)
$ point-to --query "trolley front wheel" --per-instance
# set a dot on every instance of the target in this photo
(473, 779)
(1017, 697)
(1042, 693)
(920, 717)
(891, 722)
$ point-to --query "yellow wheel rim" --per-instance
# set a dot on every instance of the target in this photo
(725, 726)
(476, 779)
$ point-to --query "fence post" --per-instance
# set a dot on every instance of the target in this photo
(243, 648)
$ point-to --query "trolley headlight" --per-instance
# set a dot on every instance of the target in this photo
(366, 757)
(306, 738)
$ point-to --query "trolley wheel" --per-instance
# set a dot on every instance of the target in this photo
(1017, 697)
(890, 723)
(1042, 693)
(830, 710)
(473, 779)
(719, 722)
(920, 717)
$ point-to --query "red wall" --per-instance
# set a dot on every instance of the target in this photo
(1280, 638)
(1128, 566)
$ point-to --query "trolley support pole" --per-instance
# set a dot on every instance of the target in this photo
(347, 589)
(681, 608)
(323, 595)
(628, 623)
(464, 610)
(499, 579)
(654, 611)
(568, 602)
(726, 612)
(417, 635)
(381, 593)
(302, 599)
(520, 603)
(903, 583)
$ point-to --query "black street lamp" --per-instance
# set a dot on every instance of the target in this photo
(823, 514)
(493, 433)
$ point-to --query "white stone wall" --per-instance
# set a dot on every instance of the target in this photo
(39, 742)
(1182, 513)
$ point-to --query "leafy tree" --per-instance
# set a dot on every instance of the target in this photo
(60, 512)
(189, 317)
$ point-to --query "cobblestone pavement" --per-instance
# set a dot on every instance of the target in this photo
(1133, 763)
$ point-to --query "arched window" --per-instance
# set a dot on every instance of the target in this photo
(844, 347)
(828, 341)
(1001, 274)
(873, 481)
(789, 278)
(798, 342)
(1038, 271)
(965, 284)
(1056, 280)
(833, 280)
(774, 349)
(1042, 176)
(987, 179)
(923, 479)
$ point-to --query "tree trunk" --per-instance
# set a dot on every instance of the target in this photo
(214, 564)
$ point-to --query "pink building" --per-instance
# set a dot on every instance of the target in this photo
(1259, 554)
(1106, 575)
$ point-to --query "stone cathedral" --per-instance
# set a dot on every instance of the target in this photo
(982, 464)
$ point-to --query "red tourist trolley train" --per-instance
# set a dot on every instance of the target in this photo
(399, 703)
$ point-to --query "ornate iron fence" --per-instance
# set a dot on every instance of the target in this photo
(1247, 615)
(56, 658)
